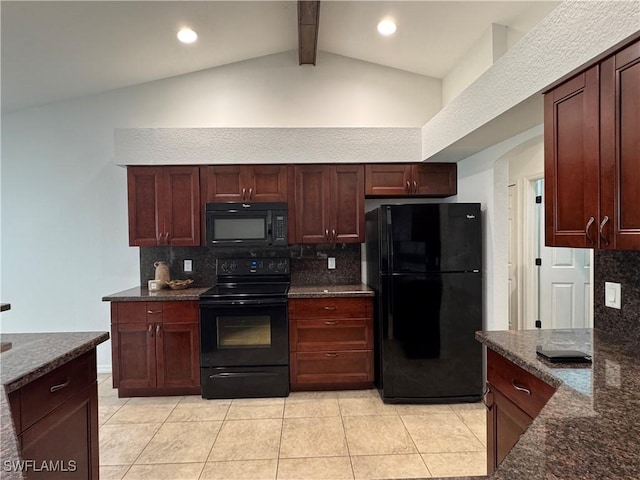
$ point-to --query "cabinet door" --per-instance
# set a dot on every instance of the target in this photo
(387, 180)
(178, 345)
(181, 206)
(223, 183)
(68, 434)
(434, 179)
(132, 343)
(505, 424)
(620, 162)
(312, 203)
(143, 189)
(177, 355)
(267, 183)
(572, 152)
(347, 204)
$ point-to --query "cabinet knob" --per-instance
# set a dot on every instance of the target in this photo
(60, 386)
(519, 388)
(586, 230)
(603, 239)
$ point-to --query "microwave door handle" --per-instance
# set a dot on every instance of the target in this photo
(269, 228)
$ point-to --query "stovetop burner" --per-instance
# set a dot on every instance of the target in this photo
(249, 278)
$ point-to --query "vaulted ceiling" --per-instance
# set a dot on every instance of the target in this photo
(57, 50)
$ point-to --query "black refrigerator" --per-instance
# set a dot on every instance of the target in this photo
(424, 262)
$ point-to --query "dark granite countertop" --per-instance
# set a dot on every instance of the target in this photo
(142, 294)
(588, 429)
(319, 291)
(31, 356)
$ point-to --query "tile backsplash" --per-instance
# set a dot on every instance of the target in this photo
(308, 262)
(621, 267)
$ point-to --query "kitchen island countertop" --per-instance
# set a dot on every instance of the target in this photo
(31, 356)
(321, 291)
(587, 429)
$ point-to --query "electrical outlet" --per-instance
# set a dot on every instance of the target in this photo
(188, 266)
(612, 295)
(331, 263)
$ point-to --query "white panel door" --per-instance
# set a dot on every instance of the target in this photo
(565, 288)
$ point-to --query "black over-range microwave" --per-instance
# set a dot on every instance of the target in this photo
(246, 224)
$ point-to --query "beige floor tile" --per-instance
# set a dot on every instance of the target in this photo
(468, 406)
(185, 442)
(103, 377)
(377, 435)
(241, 470)
(130, 413)
(113, 472)
(313, 437)
(258, 401)
(172, 401)
(248, 412)
(323, 468)
(422, 409)
(389, 466)
(193, 412)
(322, 407)
(442, 432)
(295, 397)
(112, 400)
(365, 405)
(456, 464)
(169, 471)
(121, 444)
(198, 400)
(105, 412)
(358, 393)
(247, 440)
(476, 420)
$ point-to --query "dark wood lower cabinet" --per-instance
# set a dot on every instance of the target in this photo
(514, 398)
(155, 348)
(56, 419)
(331, 343)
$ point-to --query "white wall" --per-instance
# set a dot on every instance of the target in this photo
(64, 211)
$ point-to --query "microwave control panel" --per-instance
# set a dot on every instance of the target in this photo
(279, 229)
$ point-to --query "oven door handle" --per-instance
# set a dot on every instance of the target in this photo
(225, 303)
(243, 374)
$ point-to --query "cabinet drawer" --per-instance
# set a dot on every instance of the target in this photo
(323, 335)
(180, 312)
(521, 387)
(131, 312)
(332, 367)
(43, 395)
(330, 307)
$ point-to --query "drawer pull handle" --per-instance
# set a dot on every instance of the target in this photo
(151, 312)
(55, 388)
(329, 308)
(520, 389)
(330, 322)
(330, 354)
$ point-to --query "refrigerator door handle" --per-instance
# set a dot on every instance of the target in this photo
(389, 315)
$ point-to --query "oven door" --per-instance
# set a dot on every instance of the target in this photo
(244, 333)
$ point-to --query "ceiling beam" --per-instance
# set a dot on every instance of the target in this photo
(308, 24)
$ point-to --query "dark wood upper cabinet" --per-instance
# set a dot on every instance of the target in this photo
(592, 156)
(164, 206)
(620, 150)
(244, 183)
(329, 204)
(411, 180)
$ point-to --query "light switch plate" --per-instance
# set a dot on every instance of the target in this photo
(331, 263)
(612, 295)
(188, 266)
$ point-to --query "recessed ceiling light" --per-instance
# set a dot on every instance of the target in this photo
(387, 27)
(186, 35)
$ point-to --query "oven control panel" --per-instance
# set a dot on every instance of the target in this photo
(252, 266)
